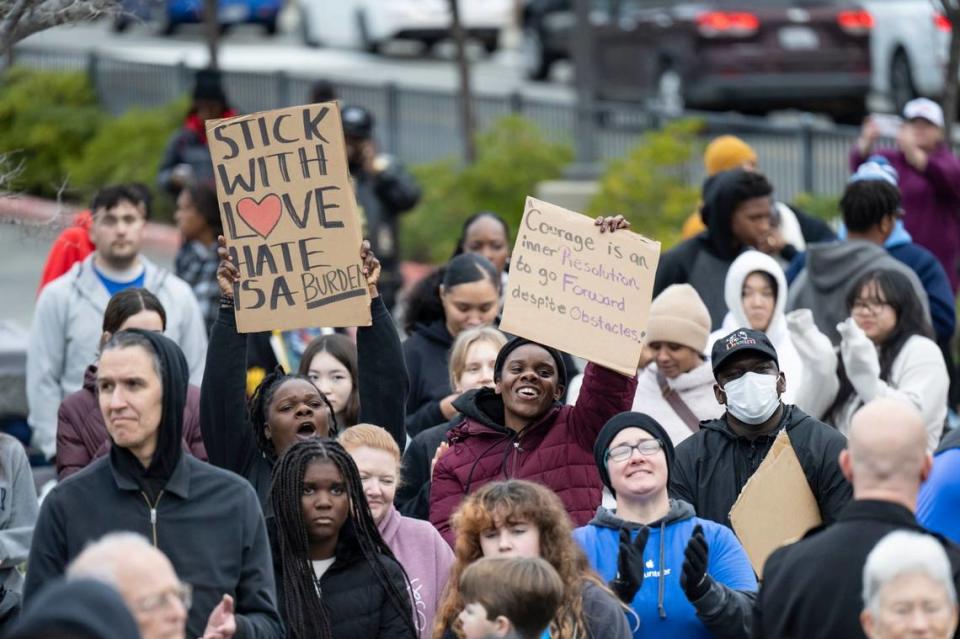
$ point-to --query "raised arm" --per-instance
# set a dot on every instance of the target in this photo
(227, 435)
(383, 382)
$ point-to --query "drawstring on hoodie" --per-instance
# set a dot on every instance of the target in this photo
(661, 609)
(473, 467)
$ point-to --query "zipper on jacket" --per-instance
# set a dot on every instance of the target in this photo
(153, 514)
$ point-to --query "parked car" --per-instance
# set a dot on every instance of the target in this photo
(369, 24)
(749, 55)
(908, 50)
(174, 13)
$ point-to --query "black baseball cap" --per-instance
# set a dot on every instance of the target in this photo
(357, 122)
(739, 341)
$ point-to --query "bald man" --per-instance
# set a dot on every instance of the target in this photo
(813, 588)
(146, 580)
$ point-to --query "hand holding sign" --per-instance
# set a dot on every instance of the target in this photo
(290, 220)
(581, 289)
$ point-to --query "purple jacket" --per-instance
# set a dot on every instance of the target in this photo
(931, 200)
(82, 436)
(427, 559)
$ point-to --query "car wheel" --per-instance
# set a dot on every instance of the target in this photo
(669, 91)
(901, 81)
(536, 64)
(120, 22)
(366, 40)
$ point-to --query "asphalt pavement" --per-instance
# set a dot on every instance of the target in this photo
(247, 48)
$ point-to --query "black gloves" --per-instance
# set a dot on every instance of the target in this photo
(629, 565)
(694, 580)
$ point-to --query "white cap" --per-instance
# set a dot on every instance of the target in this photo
(924, 108)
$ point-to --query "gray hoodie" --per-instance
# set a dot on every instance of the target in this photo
(18, 514)
(831, 270)
(65, 337)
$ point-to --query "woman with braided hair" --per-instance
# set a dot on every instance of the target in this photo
(336, 577)
(286, 408)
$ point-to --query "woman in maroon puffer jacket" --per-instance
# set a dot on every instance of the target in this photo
(81, 434)
(520, 430)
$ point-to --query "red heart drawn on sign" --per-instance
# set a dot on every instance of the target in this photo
(261, 216)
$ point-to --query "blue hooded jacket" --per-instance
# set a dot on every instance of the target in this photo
(938, 505)
(661, 604)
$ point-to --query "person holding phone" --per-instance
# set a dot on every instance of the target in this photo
(929, 179)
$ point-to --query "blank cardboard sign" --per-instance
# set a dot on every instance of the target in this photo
(290, 218)
(578, 290)
(776, 506)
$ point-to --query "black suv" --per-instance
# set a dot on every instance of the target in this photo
(750, 55)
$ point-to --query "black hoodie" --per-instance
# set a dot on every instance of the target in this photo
(702, 261)
(426, 352)
(80, 608)
(175, 379)
(207, 521)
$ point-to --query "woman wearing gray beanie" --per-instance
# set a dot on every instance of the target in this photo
(676, 386)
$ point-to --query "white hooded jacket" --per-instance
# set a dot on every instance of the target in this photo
(750, 262)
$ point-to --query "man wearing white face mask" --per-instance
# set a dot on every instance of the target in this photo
(713, 465)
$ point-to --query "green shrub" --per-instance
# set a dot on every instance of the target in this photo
(649, 186)
(825, 207)
(129, 149)
(513, 156)
(46, 120)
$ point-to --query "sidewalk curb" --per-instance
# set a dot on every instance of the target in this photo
(38, 212)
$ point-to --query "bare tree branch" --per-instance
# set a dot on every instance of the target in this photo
(951, 79)
(23, 18)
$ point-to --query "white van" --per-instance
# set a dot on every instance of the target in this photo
(368, 24)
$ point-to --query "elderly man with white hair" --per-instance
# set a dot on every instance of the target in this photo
(908, 589)
(812, 588)
(149, 585)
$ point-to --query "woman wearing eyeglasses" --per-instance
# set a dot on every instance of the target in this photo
(886, 350)
(683, 576)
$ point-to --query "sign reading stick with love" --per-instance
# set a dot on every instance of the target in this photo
(290, 219)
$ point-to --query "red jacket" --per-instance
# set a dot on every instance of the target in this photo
(82, 436)
(556, 451)
(70, 247)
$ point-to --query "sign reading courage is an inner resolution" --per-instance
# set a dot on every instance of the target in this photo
(578, 290)
(290, 219)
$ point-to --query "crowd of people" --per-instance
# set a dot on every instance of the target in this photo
(463, 483)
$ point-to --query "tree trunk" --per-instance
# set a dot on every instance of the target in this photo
(211, 28)
(951, 91)
(463, 70)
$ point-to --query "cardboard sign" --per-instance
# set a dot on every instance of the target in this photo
(776, 506)
(578, 290)
(289, 216)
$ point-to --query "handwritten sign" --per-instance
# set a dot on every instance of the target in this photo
(290, 219)
(578, 290)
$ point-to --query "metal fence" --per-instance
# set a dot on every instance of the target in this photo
(419, 125)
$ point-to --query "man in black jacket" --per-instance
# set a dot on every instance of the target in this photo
(714, 464)
(207, 521)
(384, 190)
(813, 588)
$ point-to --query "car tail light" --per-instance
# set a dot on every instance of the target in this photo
(715, 24)
(942, 23)
(855, 22)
